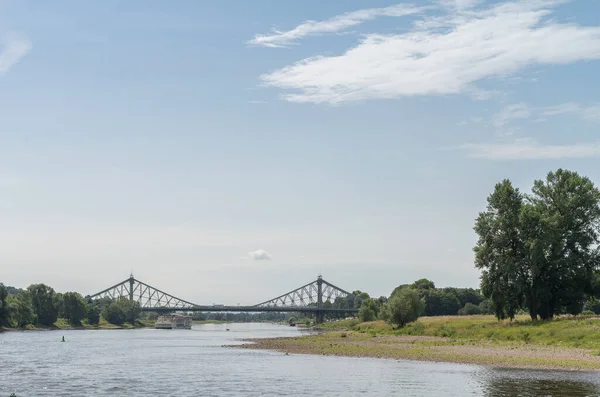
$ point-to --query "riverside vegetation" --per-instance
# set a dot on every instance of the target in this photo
(40, 307)
(539, 257)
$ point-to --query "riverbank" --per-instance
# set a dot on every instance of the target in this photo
(567, 344)
(62, 325)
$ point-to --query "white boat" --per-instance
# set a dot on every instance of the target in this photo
(173, 321)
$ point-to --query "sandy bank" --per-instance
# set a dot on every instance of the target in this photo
(425, 348)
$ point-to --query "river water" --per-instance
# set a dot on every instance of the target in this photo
(148, 362)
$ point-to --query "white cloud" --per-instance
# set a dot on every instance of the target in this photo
(591, 112)
(260, 255)
(527, 149)
(521, 111)
(511, 112)
(13, 47)
(460, 4)
(332, 25)
(440, 55)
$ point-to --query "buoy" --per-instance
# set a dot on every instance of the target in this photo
(226, 329)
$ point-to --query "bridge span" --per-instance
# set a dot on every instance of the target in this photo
(318, 297)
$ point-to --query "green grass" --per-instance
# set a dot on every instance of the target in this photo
(337, 325)
(578, 332)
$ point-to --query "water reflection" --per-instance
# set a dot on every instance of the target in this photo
(527, 383)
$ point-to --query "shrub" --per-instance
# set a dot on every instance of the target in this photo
(469, 310)
(403, 307)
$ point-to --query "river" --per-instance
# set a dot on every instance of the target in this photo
(148, 362)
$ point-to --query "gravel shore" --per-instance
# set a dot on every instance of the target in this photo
(423, 348)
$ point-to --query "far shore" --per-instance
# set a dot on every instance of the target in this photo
(373, 340)
(64, 326)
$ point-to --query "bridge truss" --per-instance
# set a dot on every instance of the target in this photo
(319, 293)
(318, 297)
(147, 296)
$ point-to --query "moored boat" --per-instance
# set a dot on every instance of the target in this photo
(173, 321)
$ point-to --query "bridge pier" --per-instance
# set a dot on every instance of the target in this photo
(319, 317)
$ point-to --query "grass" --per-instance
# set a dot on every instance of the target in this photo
(563, 343)
(337, 325)
(356, 344)
(574, 332)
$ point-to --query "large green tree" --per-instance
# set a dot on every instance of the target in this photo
(75, 308)
(20, 310)
(42, 300)
(3, 306)
(440, 303)
(539, 251)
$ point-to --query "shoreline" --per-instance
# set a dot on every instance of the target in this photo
(82, 328)
(432, 349)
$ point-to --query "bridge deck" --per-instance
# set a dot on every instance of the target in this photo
(252, 309)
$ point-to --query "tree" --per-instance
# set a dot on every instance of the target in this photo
(43, 304)
(400, 288)
(368, 310)
(114, 314)
(131, 309)
(539, 252)
(469, 310)
(403, 308)
(440, 303)
(21, 310)
(93, 315)
(485, 308)
(59, 305)
(468, 295)
(3, 306)
(75, 308)
(423, 284)
(499, 251)
(121, 311)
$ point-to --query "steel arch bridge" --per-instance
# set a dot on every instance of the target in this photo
(318, 297)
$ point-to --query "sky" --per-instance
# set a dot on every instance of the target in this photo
(232, 151)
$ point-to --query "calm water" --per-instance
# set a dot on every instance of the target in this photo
(179, 363)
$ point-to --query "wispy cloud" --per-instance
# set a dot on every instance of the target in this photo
(528, 149)
(13, 47)
(511, 112)
(522, 111)
(260, 255)
(440, 55)
(590, 112)
(332, 25)
(459, 4)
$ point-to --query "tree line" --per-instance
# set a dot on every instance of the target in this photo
(40, 305)
(409, 301)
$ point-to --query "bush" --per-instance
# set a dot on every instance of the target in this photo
(93, 315)
(365, 313)
(403, 307)
(587, 313)
(114, 314)
(75, 308)
(469, 310)
(485, 307)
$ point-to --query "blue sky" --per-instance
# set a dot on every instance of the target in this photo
(229, 151)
